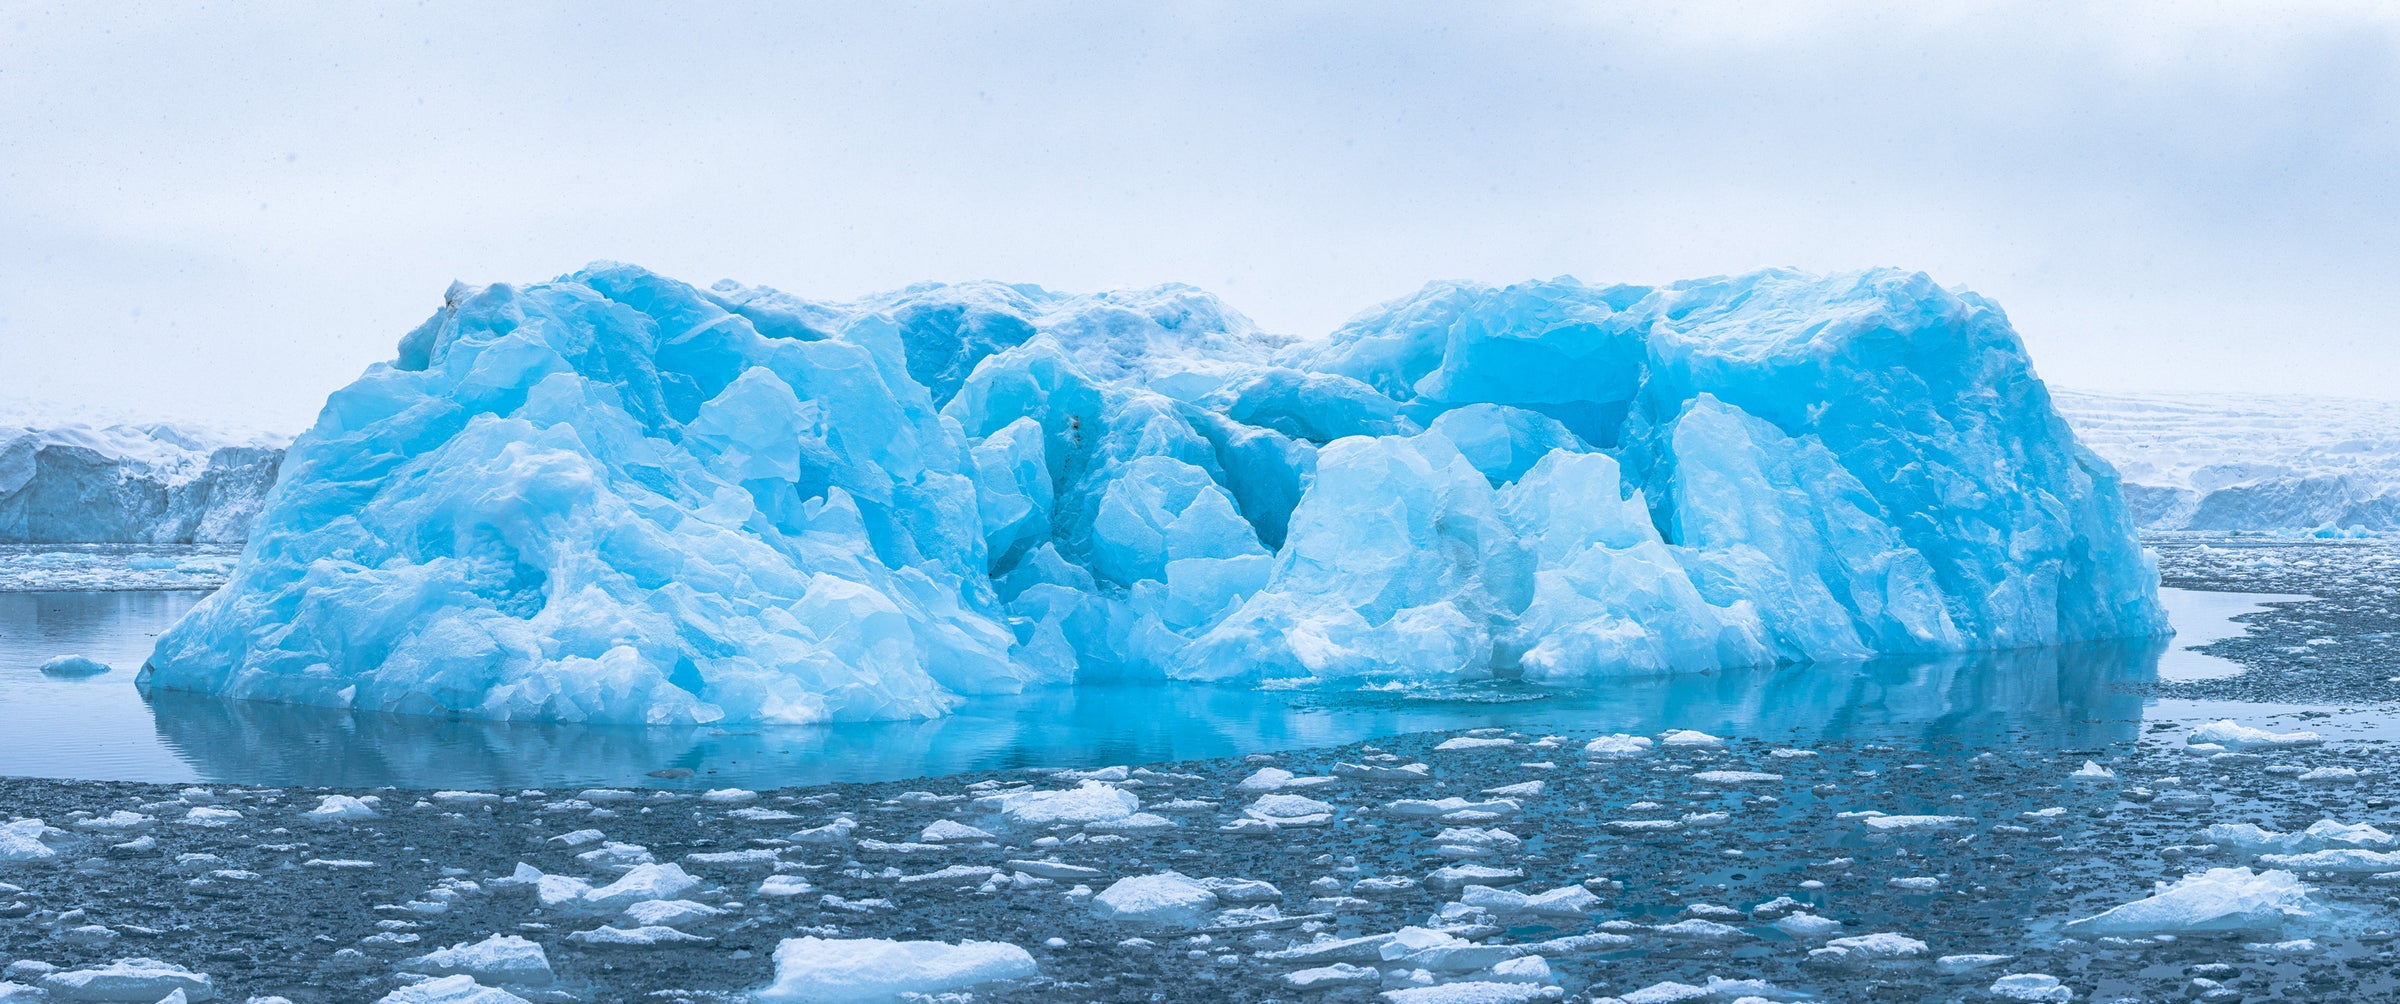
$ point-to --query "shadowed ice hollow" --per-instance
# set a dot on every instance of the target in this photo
(616, 497)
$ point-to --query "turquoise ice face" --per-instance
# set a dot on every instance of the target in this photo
(618, 498)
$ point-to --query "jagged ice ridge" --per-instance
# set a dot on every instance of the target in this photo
(616, 497)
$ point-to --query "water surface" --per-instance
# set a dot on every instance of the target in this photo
(101, 728)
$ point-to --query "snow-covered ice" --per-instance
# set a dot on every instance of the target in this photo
(2218, 900)
(499, 959)
(73, 665)
(615, 497)
(812, 970)
(1167, 899)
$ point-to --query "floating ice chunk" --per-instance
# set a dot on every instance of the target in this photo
(2332, 775)
(783, 886)
(1089, 802)
(2031, 987)
(669, 912)
(2233, 735)
(2092, 772)
(2347, 860)
(836, 832)
(2214, 901)
(1688, 737)
(128, 980)
(637, 937)
(1474, 992)
(839, 971)
(1266, 779)
(1522, 789)
(1619, 745)
(74, 665)
(1879, 947)
(1565, 901)
(1339, 974)
(650, 881)
(115, 822)
(947, 831)
(1914, 824)
(1167, 899)
(451, 990)
(1290, 810)
(579, 838)
(1735, 777)
(211, 817)
(1954, 964)
(617, 856)
(1462, 875)
(1808, 925)
(1697, 929)
(1406, 773)
(1457, 743)
(340, 807)
(499, 959)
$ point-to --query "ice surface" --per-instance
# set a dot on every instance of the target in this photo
(150, 484)
(840, 970)
(2215, 901)
(615, 497)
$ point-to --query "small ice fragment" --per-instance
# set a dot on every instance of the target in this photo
(1618, 745)
(499, 959)
(2231, 735)
(1688, 737)
(74, 666)
(1167, 899)
(2031, 987)
(814, 970)
(339, 807)
(1879, 946)
(2091, 771)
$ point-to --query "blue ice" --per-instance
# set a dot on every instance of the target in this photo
(615, 497)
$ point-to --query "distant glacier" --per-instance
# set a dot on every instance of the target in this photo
(132, 484)
(2231, 462)
(617, 497)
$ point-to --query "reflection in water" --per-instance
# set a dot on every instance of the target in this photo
(2074, 697)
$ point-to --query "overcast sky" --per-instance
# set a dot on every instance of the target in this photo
(222, 213)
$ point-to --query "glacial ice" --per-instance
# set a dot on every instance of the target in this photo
(615, 497)
(2228, 462)
(810, 970)
(2218, 900)
(147, 484)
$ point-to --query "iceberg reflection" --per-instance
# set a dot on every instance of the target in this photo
(2084, 695)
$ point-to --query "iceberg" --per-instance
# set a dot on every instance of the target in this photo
(614, 497)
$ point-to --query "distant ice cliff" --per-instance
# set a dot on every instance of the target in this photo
(617, 497)
(2248, 463)
(131, 484)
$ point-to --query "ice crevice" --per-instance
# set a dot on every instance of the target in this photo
(615, 497)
